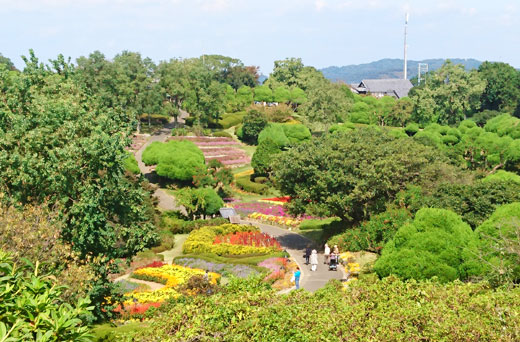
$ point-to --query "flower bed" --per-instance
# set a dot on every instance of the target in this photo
(170, 275)
(202, 241)
(255, 239)
(282, 220)
(282, 270)
(237, 270)
(276, 200)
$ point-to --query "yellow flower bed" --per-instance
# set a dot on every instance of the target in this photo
(286, 221)
(171, 275)
(201, 241)
(157, 296)
(244, 173)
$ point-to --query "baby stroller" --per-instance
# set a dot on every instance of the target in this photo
(333, 262)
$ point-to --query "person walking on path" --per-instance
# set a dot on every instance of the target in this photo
(307, 254)
(297, 275)
(326, 254)
(336, 250)
(314, 260)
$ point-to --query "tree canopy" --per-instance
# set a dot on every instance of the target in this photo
(351, 174)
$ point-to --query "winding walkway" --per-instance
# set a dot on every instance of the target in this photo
(166, 202)
(295, 244)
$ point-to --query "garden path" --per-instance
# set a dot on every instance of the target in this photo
(295, 244)
(166, 201)
(153, 286)
(169, 255)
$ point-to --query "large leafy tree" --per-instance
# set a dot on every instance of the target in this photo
(62, 144)
(450, 95)
(326, 104)
(352, 174)
(502, 90)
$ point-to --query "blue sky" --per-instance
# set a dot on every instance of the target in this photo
(321, 32)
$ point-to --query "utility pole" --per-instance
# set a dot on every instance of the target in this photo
(422, 69)
(405, 47)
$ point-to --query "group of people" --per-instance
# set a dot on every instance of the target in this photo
(311, 256)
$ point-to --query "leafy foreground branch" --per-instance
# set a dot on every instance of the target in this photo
(386, 310)
(32, 310)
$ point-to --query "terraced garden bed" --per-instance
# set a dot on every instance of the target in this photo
(225, 150)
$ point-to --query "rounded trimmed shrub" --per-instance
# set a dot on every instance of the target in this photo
(436, 244)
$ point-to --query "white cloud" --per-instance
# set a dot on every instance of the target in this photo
(215, 5)
(319, 4)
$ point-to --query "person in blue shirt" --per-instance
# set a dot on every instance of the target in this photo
(297, 275)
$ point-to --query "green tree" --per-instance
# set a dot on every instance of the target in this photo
(244, 97)
(263, 157)
(287, 71)
(298, 97)
(7, 62)
(326, 104)
(176, 160)
(473, 202)
(502, 91)
(199, 202)
(450, 95)
(436, 244)
(352, 174)
(254, 122)
(499, 244)
(281, 95)
(263, 94)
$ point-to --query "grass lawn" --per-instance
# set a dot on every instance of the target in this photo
(108, 332)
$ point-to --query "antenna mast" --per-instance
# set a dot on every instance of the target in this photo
(405, 46)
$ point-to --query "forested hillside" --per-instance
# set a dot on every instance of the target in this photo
(388, 68)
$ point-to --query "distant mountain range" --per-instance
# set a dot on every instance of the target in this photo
(388, 68)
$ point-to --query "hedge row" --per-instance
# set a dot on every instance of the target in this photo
(175, 224)
(200, 241)
(246, 184)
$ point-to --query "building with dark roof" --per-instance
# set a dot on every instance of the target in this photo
(395, 87)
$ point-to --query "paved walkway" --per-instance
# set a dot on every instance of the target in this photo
(153, 286)
(295, 244)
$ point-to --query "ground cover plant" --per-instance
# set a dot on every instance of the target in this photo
(375, 310)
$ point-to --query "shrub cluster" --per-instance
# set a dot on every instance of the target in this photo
(176, 159)
(373, 234)
(231, 119)
(474, 202)
(245, 183)
(436, 244)
(130, 164)
(202, 241)
(285, 134)
(174, 222)
(367, 310)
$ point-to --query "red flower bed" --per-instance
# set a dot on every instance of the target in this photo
(154, 264)
(284, 199)
(135, 310)
(256, 239)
